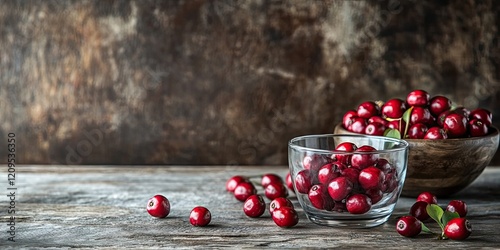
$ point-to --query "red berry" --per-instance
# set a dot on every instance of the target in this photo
(279, 203)
(329, 172)
(377, 119)
(462, 111)
(455, 125)
(483, 115)
(419, 98)
(435, 133)
(399, 125)
(421, 115)
(340, 188)
(408, 226)
(319, 198)
(368, 109)
(394, 108)
(347, 147)
(314, 162)
(477, 128)
(275, 190)
(375, 195)
(347, 119)
(254, 206)
(440, 118)
(439, 104)
(270, 178)
(417, 131)
(350, 173)
(244, 190)
(371, 178)
(289, 182)
(303, 181)
(158, 206)
(427, 197)
(457, 206)
(458, 229)
(384, 165)
(285, 217)
(200, 216)
(358, 204)
(419, 210)
(375, 129)
(234, 181)
(391, 182)
(358, 125)
(365, 158)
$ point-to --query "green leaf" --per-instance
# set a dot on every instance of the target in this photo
(425, 229)
(436, 213)
(392, 133)
(407, 114)
(447, 216)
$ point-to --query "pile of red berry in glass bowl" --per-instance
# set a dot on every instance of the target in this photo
(449, 146)
(349, 181)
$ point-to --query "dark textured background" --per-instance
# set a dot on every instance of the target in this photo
(223, 81)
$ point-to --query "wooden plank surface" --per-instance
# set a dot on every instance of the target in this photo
(104, 207)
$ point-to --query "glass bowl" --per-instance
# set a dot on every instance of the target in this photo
(336, 186)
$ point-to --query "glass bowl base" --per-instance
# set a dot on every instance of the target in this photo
(349, 223)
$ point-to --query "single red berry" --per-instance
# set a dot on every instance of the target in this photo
(244, 190)
(375, 128)
(319, 198)
(393, 108)
(477, 128)
(391, 182)
(347, 119)
(418, 98)
(435, 133)
(458, 229)
(371, 178)
(457, 206)
(254, 206)
(417, 131)
(440, 118)
(314, 162)
(358, 125)
(421, 115)
(270, 178)
(408, 226)
(303, 181)
(158, 206)
(347, 147)
(285, 217)
(279, 203)
(234, 181)
(377, 119)
(368, 109)
(275, 190)
(350, 173)
(289, 182)
(358, 204)
(200, 216)
(439, 104)
(365, 158)
(419, 210)
(329, 172)
(427, 197)
(375, 195)
(483, 115)
(455, 125)
(462, 111)
(340, 188)
(399, 125)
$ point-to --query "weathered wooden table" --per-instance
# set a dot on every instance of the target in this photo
(104, 207)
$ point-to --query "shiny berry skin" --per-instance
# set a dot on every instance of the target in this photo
(385, 166)
(350, 173)
(279, 203)
(375, 195)
(270, 178)
(455, 125)
(439, 104)
(391, 182)
(440, 118)
(347, 147)
(418, 98)
(358, 204)
(347, 118)
(314, 162)
(358, 125)
(329, 172)
(234, 181)
(319, 198)
(399, 125)
(303, 181)
(158, 206)
(366, 159)
(421, 115)
(483, 115)
(408, 226)
(435, 133)
(368, 109)
(427, 197)
(275, 190)
(371, 178)
(462, 111)
(244, 190)
(419, 210)
(200, 216)
(375, 129)
(340, 188)
(378, 119)
(477, 128)
(457, 206)
(254, 206)
(285, 217)
(289, 182)
(394, 108)
(417, 131)
(458, 229)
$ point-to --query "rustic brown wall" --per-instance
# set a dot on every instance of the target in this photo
(223, 81)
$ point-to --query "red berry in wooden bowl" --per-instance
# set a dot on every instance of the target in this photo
(375, 128)
(393, 108)
(483, 115)
(358, 125)
(417, 131)
(439, 104)
(477, 128)
(435, 133)
(200, 216)
(254, 206)
(418, 98)
(408, 226)
(458, 229)
(347, 119)
(368, 109)
(158, 206)
(455, 125)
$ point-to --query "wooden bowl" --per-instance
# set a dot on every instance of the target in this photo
(445, 167)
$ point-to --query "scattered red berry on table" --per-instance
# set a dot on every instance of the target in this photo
(458, 229)
(158, 206)
(279, 203)
(285, 217)
(200, 216)
(269, 179)
(419, 210)
(408, 226)
(427, 197)
(275, 190)
(233, 182)
(457, 206)
(254, 206)
(244, 190)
